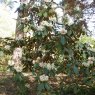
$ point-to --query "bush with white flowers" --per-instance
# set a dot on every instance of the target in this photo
(53, 50)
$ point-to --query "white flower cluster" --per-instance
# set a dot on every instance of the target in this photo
(89, 62)
(86, 64)
(40, 28)
(77, 8)
(54, 5)
(16, 60)
(37, 60)
(70, 20)
(48, 66)
(7, 47)
(19, 37)
(47, 1)
(11, 63)
(36, 4)
(44, 78)
(25, 19)
(24, 1)
(45, 23)
(45, 6)
(60, 14)
(29, 33)
(17, 54)
(52, 19)
(43, 65)
(17, 67)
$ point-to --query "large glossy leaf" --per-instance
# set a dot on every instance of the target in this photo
(63, 40)
(47, 86)
(76, 71)
(41, 87)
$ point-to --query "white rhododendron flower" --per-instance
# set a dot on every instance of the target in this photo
(90, 62)
(86, 64)
(38, 59)
(37, 3)
(54, 5)
(7, 47)
(44, 78)
(47, 0)
(91, 58)
(25, 19)
(40, 28)
(45, 6)
(33, 61)
(45, 23)
(27, 85)
(18, 68)
(11, 63)
(49, 66)
(29, 59)
(17, 54)
(24, 1)
(19, 37)
(77, 8)
(92, 46)
(60, 14)
(52, 19)
(52, 66)
(29, 33)
(63, 31)
(41, 64)
(52, 55)
(70, 20)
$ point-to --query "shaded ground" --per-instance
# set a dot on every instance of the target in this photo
(8, 86)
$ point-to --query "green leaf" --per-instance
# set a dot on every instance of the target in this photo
(63, 40)
(46, 71)
(76, 71)
(45, 14)
(40, 14)
(36, 65)
(41, 87)
(47, 86)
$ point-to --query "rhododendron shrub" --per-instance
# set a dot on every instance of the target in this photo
(50, 45)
